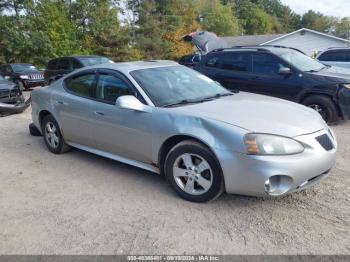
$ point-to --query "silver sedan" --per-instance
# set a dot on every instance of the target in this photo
(171, 120)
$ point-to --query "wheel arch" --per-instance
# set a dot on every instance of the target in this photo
(172, 141)
(331, 96)
(42, 114)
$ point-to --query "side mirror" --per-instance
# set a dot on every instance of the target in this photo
(132, 103)
(196, 59)
(284, 71)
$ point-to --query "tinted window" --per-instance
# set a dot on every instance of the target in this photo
(52, 65)
(266, 64)
(64, 64)
(340, 56)
(76, 64)
(82, 85)
(236, 62)
(109, 88)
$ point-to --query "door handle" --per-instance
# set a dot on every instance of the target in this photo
(99, 113)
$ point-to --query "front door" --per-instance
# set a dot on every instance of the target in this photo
(267, 80)
(121, 132)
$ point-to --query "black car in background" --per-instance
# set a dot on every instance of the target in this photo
(282, 72)
(58, 67)
(190, 60)
(11, 98)
(24, 75)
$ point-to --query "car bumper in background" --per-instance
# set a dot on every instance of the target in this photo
(255, 175)
(34, 83)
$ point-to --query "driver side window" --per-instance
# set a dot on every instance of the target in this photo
(110, 87)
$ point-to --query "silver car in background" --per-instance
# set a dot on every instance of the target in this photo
(172, 120)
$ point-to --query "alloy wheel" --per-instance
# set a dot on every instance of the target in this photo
(51, 135)
(192, 173)
(319, 109)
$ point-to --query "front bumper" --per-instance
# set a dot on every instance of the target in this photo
(34, 83)
(246, 174)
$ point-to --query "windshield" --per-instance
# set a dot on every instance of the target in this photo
(23, 67)
(173, 84)
(301, 61)
(90, 61)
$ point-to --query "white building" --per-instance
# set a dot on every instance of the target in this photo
(306, 40)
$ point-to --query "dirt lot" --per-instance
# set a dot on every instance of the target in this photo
(78, 203)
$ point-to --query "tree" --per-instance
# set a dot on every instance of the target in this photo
(253, 19)
(219, 18)
(342, 29)
(316, 21)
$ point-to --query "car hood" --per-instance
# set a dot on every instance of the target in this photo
(260, 114)
(4, 84)
(335, 74)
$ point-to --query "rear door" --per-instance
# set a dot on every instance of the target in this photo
(266, 79)
(74, 108)
(231, 69)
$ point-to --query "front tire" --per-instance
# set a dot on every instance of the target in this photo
(52, 135)
(324, 106)
(193, 172)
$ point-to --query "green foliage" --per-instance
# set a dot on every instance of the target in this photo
(253, 19)
(219, 18)
(36, 31)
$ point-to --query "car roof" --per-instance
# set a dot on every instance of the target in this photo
(264, 48)
(78, 57)
(126, 67)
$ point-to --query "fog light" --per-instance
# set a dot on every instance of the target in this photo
(278, 185)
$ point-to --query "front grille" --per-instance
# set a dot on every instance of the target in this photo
(325, 142)
(4, 93)
(36, 76)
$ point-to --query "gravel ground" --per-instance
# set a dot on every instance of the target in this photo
(79, 203)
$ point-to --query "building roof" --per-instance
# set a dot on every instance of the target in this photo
(250, 39)
(267, 39)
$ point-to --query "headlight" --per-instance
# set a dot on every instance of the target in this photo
(24, 77)
(347, 86)
(262, 144)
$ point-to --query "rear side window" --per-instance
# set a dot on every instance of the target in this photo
(336, 56)
(236, 62)
(110, 87)
(64, 64)
(82, 85)
(266, 64)
(52, 64)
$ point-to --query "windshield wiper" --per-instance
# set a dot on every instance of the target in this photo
(184, 102)
(199, 100)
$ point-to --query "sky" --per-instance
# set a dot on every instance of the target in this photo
(337, 8)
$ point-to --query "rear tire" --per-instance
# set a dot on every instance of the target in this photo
(52, 135)
(193, 172)
(324, 106)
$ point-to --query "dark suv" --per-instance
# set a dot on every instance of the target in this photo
(282, 72)
(58, 67)
(24, 75)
